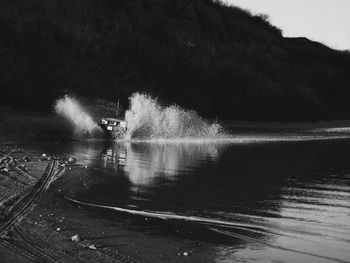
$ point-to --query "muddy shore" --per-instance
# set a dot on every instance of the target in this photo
(39, 224)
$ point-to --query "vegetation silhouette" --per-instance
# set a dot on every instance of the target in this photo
(201, 54)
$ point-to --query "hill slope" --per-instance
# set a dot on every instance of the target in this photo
(219, 60)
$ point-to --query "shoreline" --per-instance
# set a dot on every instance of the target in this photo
(49, 228)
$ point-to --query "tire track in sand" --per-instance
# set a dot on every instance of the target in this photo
(19, 209)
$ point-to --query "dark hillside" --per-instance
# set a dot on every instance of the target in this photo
(219, 60)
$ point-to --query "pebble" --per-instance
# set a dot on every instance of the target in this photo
(93, 247)
(72, 160)
(75, 238)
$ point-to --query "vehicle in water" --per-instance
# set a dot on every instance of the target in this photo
(114, 127)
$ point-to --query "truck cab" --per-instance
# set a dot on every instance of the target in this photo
(114, 127)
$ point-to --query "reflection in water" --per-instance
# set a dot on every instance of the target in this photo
(144, 162)
(286, 202)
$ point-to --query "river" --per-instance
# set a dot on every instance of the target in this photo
(250, 200)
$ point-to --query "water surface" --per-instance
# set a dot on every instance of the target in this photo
(284, 201)
(271, 201)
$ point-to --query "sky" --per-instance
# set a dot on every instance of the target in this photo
(326, 21)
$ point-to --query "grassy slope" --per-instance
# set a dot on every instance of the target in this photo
(218, 60)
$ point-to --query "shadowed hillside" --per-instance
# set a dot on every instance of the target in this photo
(219, 60)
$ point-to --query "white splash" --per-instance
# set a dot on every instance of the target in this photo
(70, 108)
(148, 119)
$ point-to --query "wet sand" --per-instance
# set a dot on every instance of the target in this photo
(39, 224)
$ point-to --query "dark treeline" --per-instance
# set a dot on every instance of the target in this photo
(219, 60)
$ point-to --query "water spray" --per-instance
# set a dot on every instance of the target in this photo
(69, 108)
(148, 119)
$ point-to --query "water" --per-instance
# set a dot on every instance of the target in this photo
(75, 114)
(280, 202)
(262, 196)
(146, 118)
